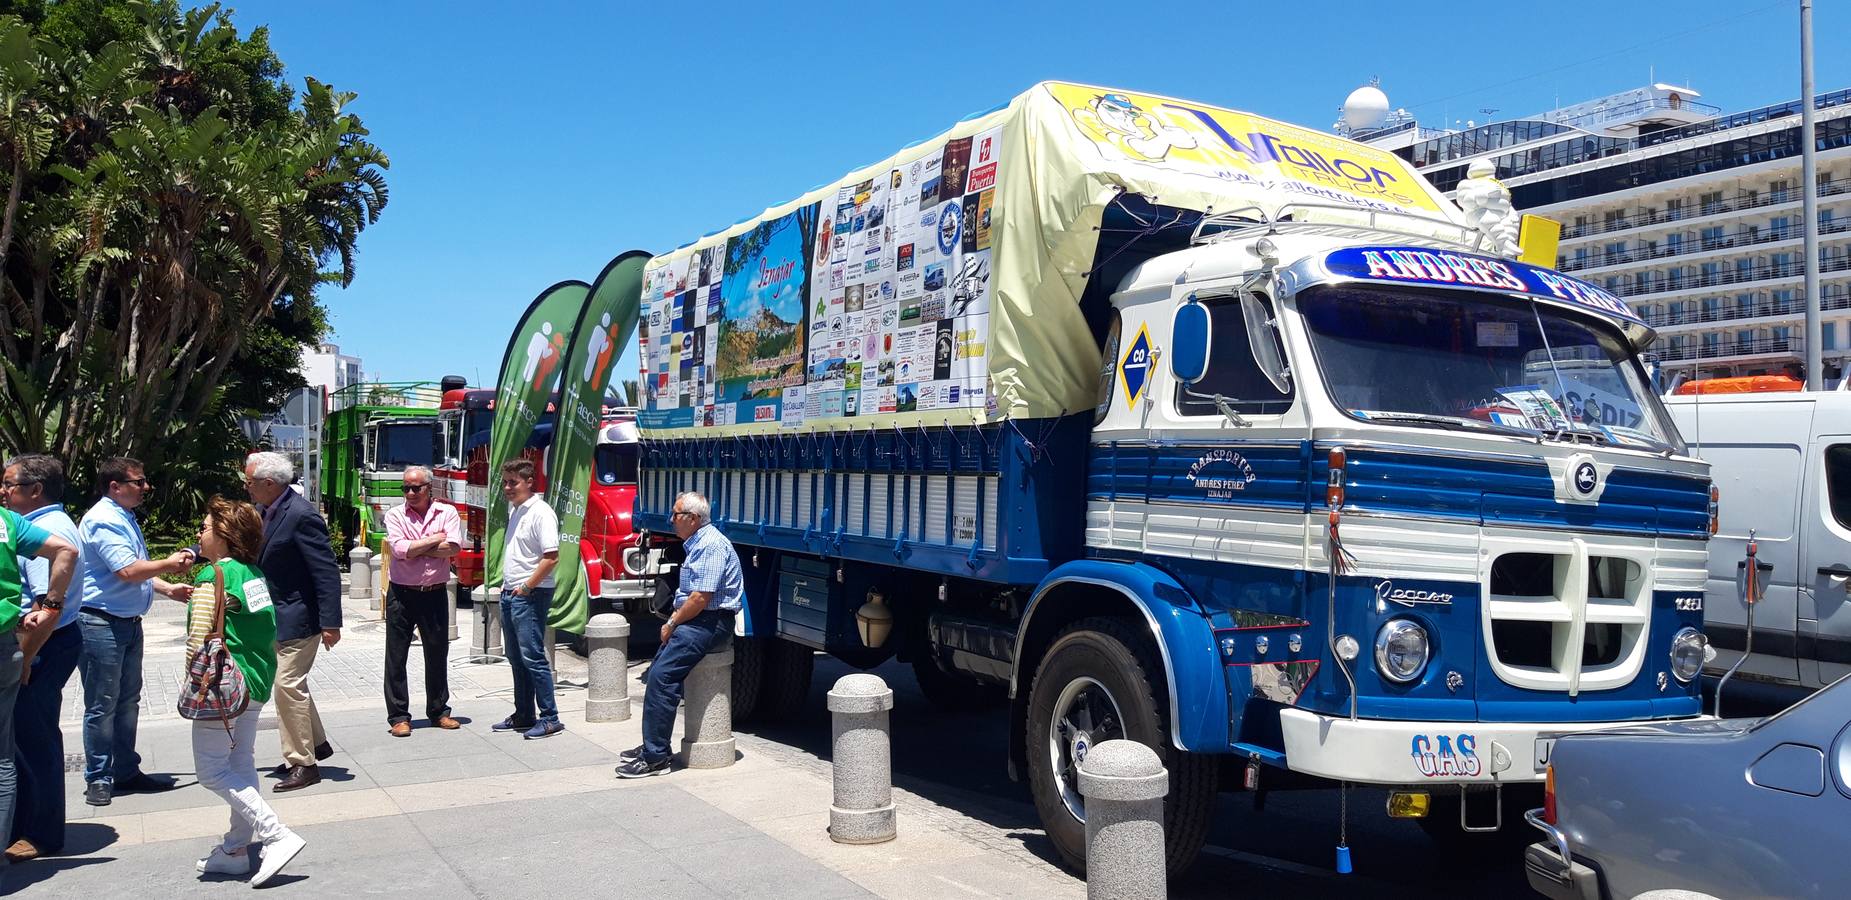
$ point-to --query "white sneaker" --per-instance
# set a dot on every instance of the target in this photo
(277, 854)
(218, 862)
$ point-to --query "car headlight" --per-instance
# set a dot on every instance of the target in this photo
(1401, 650)
(1688, 648)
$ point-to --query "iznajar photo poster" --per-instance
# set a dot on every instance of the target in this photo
(872, 301)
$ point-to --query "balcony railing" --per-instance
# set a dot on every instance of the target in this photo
(1660, 284)
(1724, 349)
(1741, 237)
(1743, 200)
(1733, 312)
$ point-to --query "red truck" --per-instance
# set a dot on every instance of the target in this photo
(607, 544)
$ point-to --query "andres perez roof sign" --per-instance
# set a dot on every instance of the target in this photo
(1445, 268)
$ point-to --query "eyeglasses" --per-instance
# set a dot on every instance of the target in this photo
(145, 483)
(9, 485)
(681, 512)
(414, 488)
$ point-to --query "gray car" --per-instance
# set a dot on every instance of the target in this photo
(1727, 808)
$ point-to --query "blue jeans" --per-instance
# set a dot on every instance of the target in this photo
(111, 671)
(690, 641)
(11, 661)
(523, 638)
(38, 815)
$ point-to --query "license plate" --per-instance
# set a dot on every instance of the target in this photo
(1545, 747)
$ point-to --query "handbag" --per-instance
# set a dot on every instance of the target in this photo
(215, 686)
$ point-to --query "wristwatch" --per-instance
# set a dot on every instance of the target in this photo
(53, 605)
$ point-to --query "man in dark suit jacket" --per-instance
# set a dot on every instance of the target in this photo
(305, 585)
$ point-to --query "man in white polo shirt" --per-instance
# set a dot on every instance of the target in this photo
(527, 561)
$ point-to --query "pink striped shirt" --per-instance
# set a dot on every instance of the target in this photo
(405, 527)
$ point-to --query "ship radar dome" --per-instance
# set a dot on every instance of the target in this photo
(1366, 107)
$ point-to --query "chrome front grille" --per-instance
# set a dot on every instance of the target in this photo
(1563, 619)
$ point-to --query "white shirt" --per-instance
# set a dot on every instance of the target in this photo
(533, 530)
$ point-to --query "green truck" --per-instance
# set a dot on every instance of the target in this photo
(370, 434)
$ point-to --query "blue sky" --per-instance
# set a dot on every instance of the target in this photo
(535, 146)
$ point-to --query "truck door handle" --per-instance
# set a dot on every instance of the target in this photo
(1836, 571)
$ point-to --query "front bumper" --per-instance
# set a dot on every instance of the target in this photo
(625, 589)
(1551, 867)
(1371, 751)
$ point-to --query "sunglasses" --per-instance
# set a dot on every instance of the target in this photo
(415, 488)
(140, 481)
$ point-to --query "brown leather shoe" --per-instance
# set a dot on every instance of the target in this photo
(401, 729)
(448, 724)
(22, 850)
(298, 778)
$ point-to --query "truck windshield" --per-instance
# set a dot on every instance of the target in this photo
(398, 446)
(1472, 361)
(616, 463)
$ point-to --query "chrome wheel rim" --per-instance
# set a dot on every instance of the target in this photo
(1085, 715)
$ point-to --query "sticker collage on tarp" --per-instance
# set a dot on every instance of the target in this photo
(874, 301)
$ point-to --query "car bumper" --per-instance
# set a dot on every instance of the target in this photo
(1551, 868)
(625, 589)
(1372, 751)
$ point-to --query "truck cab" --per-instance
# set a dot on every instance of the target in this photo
(389, 444)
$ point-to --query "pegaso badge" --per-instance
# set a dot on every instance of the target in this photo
(1386, 593)
(1586, 478)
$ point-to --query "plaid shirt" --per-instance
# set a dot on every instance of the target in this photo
(712, 566)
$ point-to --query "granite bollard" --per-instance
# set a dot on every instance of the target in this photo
(360, 573)
(707, 712)
(449, 596)
(488, 621)
(1124, 783)
(862, 811)
(607, 693)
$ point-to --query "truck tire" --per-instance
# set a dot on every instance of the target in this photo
(954, 691)
(748, 676)
(1100, 681)
(789, 668)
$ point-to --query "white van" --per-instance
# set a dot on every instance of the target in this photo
(1783, 463)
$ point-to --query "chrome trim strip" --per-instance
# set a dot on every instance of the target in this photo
(1169, 670)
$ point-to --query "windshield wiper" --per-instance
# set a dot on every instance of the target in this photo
(1450, 422)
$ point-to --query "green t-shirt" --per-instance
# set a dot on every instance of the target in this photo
(18, 538)
(250, 622)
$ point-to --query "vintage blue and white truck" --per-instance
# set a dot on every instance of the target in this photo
(1182, 425)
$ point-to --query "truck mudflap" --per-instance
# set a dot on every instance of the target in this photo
(1374, 751)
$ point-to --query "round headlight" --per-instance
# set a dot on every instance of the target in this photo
(1688, 648)
(1401, 650)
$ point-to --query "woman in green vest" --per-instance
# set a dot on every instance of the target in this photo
(232, 537)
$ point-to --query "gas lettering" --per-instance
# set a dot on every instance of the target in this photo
(1446, 755)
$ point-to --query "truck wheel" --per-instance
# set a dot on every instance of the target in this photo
(786, 686)
(954, 691)
(1099, 682)
(748, 676)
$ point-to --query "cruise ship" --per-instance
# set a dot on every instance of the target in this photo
(1692, 215)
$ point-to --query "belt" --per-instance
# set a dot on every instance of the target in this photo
(420, 587)
(109, 615)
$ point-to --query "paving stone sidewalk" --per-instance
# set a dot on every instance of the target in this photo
(471, 813)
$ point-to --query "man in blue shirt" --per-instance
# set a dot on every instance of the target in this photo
(706, 600)
(34, 488)
(119, 585)
(20, 630)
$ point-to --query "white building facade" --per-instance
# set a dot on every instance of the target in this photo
(325, 367)
(1691, 216)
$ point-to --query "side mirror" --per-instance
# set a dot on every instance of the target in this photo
(1260, 342)
(1191, 335)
